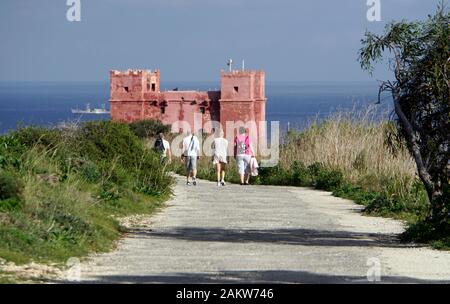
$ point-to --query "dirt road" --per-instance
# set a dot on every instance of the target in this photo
(264, 234)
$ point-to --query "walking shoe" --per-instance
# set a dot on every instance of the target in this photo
(219, 184)
(222, 183)
(194, 181)
(188, 183)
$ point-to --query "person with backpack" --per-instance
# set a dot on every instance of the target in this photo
(162, 146)
(243, 152)
(220, 148)
(191, 151)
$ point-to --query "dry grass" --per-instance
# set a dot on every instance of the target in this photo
(356, 143)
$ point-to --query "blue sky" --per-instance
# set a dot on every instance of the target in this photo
(191, 40)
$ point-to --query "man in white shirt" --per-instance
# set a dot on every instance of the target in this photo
(191, 151)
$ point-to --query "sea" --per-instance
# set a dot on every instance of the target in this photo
(293, 104)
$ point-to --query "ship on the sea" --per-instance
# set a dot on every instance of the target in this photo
(89, 110)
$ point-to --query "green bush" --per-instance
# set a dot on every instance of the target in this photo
(325, 178)
(109, 141)
(109, 191)
(90, 172)
(103, 171)
(301, 176)
(10, 191)
(122, 158)
(148, 128)
(31, 136)
(433, 231)
(442, 221)
(274, 176)
(10, 204)
(425, 232)
(152, 177)
(69, 228)
(11, 150)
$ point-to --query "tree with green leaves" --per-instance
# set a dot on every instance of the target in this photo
(419, 55)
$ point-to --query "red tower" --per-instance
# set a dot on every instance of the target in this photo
(137, 95)
(242, 96)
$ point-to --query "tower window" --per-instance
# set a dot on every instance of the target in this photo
(236, 89)
(126, 89)
(153, 87)
(163, 110)
(202, 110)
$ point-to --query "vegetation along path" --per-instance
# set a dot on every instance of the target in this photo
(263, 234)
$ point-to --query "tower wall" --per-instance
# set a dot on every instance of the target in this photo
(136, 95)
(131, 85)
(242, 97)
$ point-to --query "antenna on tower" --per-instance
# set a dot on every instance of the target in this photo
(243, 65)
(230, 64)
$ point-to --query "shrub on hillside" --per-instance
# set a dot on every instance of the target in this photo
(32, 136)
(11, 150)
(122, 157)
(90, 172)
(437, 232)
(325, 178)
(301, 176)
(11, 189)
(103, 171)
(152, 177)
(148, 128)
(274, 176)
(107, 140)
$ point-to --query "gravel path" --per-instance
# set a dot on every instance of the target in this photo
(263, 234)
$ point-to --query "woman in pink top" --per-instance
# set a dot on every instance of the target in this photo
(243, 153)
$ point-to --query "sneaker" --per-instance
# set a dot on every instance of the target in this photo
(222, 183)
(219, 184)
(194, 182)
(247, 184)
(188, 183)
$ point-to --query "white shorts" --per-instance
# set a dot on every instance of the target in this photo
(243, 163)
(219, 159)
